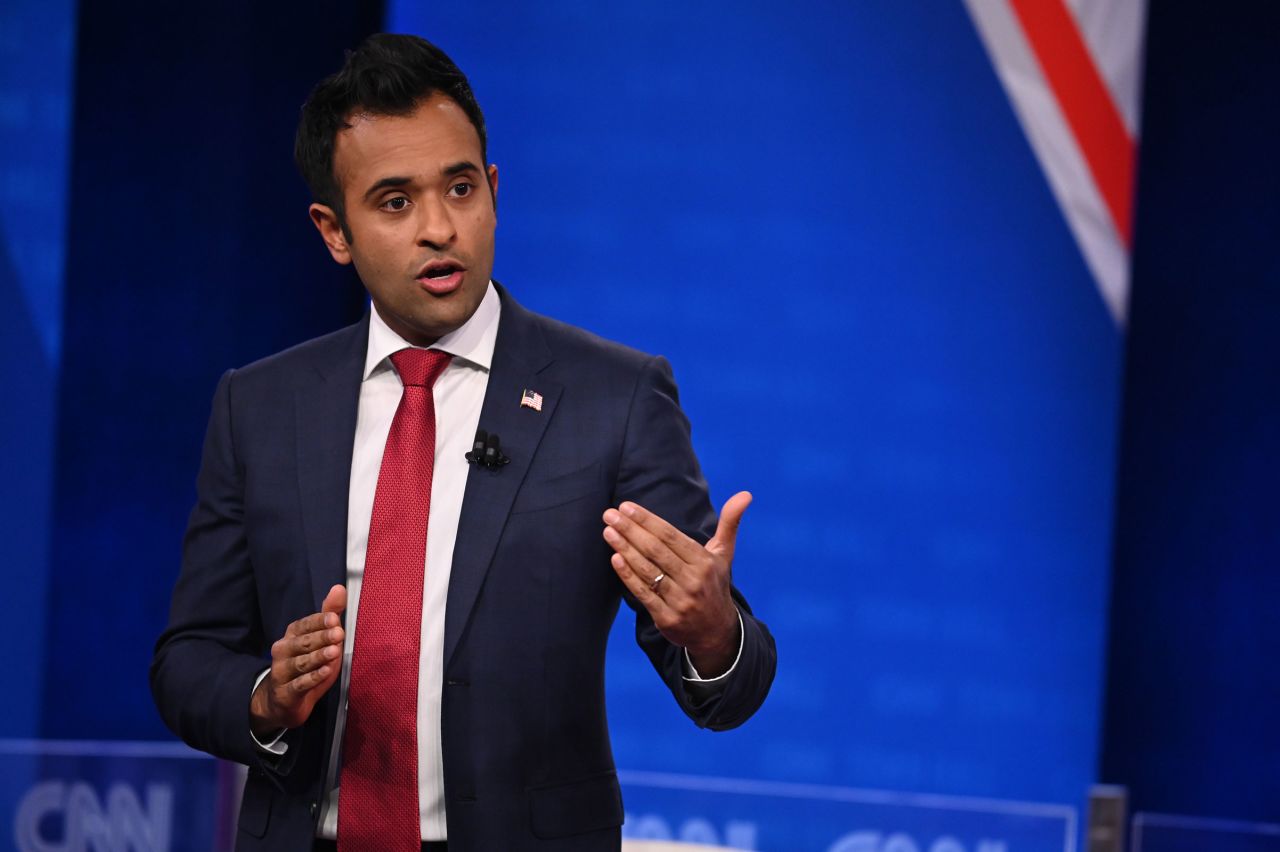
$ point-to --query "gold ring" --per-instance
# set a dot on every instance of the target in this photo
(653, 587)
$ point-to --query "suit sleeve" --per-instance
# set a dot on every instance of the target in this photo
(659, 470)
(212, 651)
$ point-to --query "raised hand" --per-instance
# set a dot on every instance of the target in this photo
(305, 662)
(683, 585)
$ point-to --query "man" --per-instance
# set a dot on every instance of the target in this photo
(437, 620)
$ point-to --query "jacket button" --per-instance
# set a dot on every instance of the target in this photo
(314, 807)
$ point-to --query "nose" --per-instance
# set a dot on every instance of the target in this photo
(435, 225)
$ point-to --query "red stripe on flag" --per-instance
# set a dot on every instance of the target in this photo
(1085, 101)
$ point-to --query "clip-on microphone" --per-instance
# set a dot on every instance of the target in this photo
(487, 451)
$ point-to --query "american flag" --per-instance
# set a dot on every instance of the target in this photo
(531, 399)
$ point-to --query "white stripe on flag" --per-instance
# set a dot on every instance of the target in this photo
(1043, 120)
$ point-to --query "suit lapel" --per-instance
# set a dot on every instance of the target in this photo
(520, 353)
(325, 409)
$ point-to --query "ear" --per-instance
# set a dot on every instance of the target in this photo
(326, 222)
(492, 175)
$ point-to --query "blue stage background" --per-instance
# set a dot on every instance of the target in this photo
(833, 226)
(828, 218)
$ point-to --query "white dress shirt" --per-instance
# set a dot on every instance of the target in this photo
(459, 395)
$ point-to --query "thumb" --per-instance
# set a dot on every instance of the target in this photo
(726, 536)
(336, 600)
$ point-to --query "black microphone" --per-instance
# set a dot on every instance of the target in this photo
(477, 448)
(486, 451)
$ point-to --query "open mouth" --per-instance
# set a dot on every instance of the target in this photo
(441, 276)
(440, 271)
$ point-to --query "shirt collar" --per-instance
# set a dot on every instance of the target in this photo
(472, 341)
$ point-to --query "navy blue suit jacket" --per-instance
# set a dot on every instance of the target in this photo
(527, 761)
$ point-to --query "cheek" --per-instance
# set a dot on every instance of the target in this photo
(377, 277)
(373, 257)
(481, 228)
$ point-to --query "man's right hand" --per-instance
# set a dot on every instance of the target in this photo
(304, 664)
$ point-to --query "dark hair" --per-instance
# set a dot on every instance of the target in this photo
(387, 74)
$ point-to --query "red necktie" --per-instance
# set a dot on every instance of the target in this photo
(378, 789)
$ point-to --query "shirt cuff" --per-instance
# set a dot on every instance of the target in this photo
(691, 675)
(274, 746)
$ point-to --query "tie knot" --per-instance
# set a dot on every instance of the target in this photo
(420, 367)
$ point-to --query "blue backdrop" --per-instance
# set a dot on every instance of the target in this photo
(832, 224)
(37, 46)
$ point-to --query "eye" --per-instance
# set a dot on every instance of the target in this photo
(461, 190)
(396, 203)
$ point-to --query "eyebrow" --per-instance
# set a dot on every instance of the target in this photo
(400, 180)
(460, 167)
(385, 183)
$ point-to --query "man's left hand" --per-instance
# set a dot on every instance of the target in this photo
(683, 585)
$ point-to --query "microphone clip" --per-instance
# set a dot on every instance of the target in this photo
(486, 451)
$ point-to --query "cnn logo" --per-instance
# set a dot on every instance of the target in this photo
(56, 816)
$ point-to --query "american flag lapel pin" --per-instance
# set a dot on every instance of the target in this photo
(531, 399)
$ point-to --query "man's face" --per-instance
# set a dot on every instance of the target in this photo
(420, 215)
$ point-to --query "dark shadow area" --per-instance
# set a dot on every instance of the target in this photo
(1193, 690)
(189, 252)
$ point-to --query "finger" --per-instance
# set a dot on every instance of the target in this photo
(321, 678)
(670, 569)
(319, 658)
(286, 667)
(679, 543)
(726, 537)
(299, 676)
(640, 563)
(327, 679)
(662, 548)
(293, 646)
(313, 622)
(336, 600)
(318, 680)
(669, 592)
(328, 616)
(639, 588)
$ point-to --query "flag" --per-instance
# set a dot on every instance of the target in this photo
(1073, 70)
